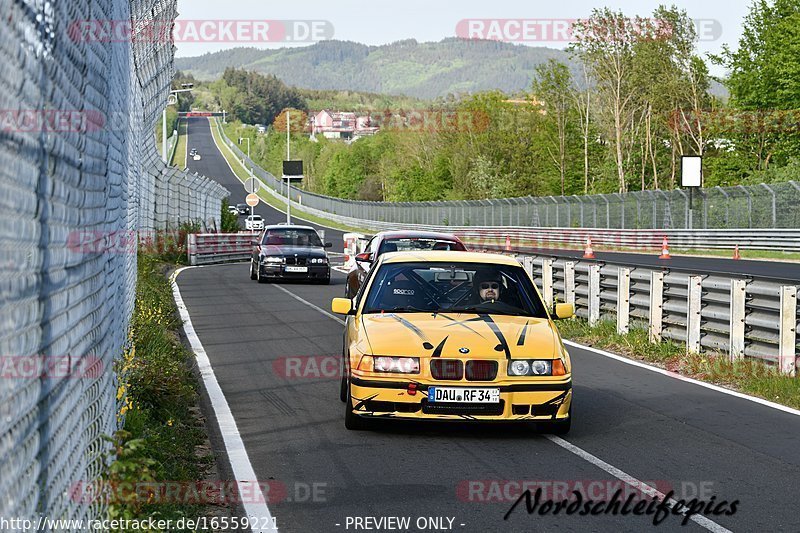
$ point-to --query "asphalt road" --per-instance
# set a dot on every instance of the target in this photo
(652, 427)
(275, 359)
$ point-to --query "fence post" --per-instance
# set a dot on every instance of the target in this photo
(656, 305)
(736, 342)
(623, 300)
(547, 282)
(569, 282)
(693, 315)
(788, 333)
(594, 294)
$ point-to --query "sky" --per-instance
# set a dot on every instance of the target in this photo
(376, 22)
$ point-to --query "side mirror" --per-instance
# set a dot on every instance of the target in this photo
(342, 306)
(328, 245)
(564, 311)
(365, 257)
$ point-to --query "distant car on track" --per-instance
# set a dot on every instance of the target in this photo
(458, 336)
(290, 252)
(232, 209)
(394, 241)
(243, 209)
(254, 223)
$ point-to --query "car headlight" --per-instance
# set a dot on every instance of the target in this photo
(396, 365)
(519, 368)
(536, 367)
(319, 261)
(273, 259)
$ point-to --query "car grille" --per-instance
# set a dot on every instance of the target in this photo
(300, 261)
(477, 409)
(447, 369)
(481, 370)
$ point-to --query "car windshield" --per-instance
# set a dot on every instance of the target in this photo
(257, 218)
(453, 288)
(411, 244)
(292, 237)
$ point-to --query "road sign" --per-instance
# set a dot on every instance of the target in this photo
(252, 185)
(252, 200)
(292, 168)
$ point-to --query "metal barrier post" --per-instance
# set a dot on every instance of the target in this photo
(594, 294)
(656, 306)
(736, 340)
(569, 282)
(693, 315)
(788, 333)
(623, 300)
(547, 282)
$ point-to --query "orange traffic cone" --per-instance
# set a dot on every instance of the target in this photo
(664, 249)
(508, 243)
(588, 253)
(736, 254)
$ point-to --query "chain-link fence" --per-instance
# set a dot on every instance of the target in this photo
(77, 155)
(755, 206)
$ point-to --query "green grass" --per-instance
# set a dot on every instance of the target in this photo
(746, 375)
(180, 151)
(164, 436)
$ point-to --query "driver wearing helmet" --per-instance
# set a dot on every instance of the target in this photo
(488, 286)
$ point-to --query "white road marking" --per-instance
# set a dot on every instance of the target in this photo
(306, 302)
(237, 454)
(679, 377)
(700, 520)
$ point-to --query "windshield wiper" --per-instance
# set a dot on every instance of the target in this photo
(484, 311)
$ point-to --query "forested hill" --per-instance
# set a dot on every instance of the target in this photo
(421, 70)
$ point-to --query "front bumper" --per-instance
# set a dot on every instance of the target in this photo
(548, 400)
(278, 271)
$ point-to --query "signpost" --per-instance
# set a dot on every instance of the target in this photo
(252, 185)
(691, 177)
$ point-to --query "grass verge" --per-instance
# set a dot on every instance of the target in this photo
(164, 441)
(180, 151)
(747, 376)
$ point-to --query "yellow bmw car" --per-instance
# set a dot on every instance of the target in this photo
(453, 336)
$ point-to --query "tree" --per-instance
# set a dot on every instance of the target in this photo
(552, 85)
(765, 79)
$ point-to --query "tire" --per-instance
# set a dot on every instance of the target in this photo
(352, 421)
(253, 275)
(259, 277)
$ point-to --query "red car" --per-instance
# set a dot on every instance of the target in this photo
(396, 241)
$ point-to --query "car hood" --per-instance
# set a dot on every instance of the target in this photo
(300, 251)
(486, 336)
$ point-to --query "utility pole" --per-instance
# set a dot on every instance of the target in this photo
(288, 158)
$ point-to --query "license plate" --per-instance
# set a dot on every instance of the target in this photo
(456, 395)
(296, 269)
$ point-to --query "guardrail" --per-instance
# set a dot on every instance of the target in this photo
(212, 248)
(749, 318)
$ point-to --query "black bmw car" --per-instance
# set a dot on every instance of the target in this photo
(289, 252)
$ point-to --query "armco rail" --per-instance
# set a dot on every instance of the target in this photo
(212, 248)
(741, 316)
